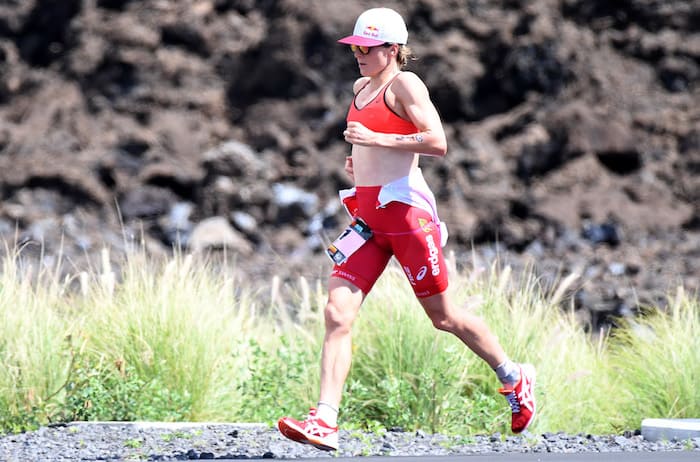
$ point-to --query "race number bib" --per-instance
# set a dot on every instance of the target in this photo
(354, 236)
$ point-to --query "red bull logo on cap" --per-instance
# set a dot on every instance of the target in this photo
(372, 31)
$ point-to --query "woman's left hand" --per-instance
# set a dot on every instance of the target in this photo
(356, 133)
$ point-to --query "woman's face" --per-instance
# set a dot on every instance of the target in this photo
(376, 60)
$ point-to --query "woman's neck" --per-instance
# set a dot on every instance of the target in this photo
(385, 75)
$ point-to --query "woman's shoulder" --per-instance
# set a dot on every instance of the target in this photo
(407, 81)
(408, 78)
(359, 83)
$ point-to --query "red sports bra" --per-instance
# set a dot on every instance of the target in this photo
(378, 116)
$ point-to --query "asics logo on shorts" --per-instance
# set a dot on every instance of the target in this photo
(407, 270)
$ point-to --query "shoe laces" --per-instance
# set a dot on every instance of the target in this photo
(513, 401)
(317, 427)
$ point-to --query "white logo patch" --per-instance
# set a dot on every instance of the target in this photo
(407, 270)
(433, 255)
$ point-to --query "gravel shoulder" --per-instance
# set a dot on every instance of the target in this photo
(162, 442)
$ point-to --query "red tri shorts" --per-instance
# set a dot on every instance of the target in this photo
(404, 231)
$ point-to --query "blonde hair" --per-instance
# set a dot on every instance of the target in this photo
(404, 55)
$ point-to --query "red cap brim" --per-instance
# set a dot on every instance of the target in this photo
(360, 41)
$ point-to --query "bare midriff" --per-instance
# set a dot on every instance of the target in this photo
(374, 166)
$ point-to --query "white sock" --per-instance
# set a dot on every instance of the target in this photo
(327, 413)
(508, 372)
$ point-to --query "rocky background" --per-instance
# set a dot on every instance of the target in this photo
(573, 130)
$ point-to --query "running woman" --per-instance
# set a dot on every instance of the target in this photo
(390, 124)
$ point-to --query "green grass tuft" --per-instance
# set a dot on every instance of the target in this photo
(183, 340)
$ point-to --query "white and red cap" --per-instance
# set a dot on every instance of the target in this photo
(377, 26)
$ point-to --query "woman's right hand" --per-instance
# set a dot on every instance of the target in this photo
(348, 167)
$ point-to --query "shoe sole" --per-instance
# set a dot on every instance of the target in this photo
(299, 437)
(530, 370)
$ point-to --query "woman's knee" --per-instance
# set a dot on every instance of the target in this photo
(342, 308)
(442, 320)
(440, 312)
(338, 318)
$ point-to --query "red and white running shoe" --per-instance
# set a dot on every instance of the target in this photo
(521, 398)
(312, 430)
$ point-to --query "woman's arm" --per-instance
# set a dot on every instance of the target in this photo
(349, 168)
(412, 98)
